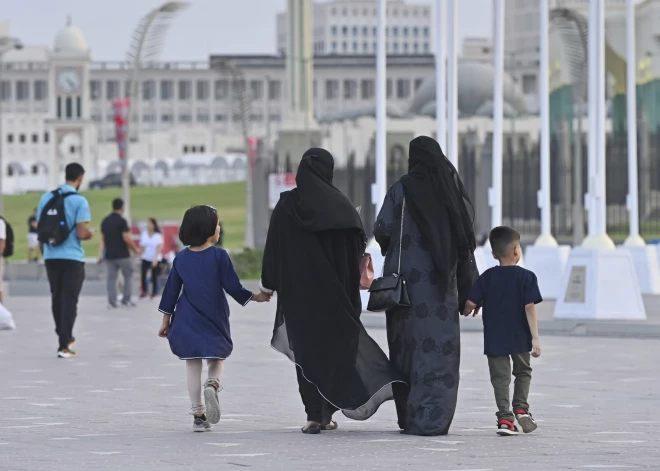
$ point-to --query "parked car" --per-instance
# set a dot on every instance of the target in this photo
(112, 180)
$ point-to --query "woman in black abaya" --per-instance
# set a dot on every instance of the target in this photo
(314, 244)
(438, 237)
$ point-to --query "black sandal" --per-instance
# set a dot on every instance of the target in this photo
(331, 426)
(311, 430)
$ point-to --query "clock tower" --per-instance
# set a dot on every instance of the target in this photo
(69, 125)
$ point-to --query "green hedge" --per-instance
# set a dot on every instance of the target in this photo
(248, 263)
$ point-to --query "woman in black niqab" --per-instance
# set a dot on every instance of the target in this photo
(311, 260)
(435, 239)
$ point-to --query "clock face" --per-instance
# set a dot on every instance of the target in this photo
(69, 80)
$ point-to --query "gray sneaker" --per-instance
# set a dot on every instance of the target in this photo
(201, 424)
(211, 388)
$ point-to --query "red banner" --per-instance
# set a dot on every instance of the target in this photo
(253, 143)
(120, 108)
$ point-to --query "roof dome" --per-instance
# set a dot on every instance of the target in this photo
(71, 39)
(475, 88)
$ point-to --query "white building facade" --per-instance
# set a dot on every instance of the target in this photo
(348, 27)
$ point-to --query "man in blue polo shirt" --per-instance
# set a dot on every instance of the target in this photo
(65, 263)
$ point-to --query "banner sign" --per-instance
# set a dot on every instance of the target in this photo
(279, 183)
(120, 108)
(253, 143)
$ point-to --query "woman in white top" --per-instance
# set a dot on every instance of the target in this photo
(151, 242)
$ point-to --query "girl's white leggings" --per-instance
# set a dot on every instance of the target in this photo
(194, 376)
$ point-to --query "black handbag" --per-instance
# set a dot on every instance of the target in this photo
(390, 292)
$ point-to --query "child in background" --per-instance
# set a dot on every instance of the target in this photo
(196, 323)
(509, 295)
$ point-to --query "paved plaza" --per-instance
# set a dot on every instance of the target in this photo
(122, 404)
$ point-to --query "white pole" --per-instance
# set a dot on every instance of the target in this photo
(601, 204)
(495, 195)
(634, 239)
(440, 75)
(593, 120)
(380, 188)
(452, 85)
(546, 238)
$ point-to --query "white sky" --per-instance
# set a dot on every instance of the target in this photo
(206, 27)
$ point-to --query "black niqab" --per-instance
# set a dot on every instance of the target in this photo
(438, 202)
(311, 259)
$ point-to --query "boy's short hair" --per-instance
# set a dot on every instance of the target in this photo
(199, 223)
(502, 239)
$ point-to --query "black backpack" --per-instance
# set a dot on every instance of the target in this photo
(53, 228)
(9, 241)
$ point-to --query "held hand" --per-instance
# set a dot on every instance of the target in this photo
(536, 348)
(154, 264)
(262, 297)
(162, 332)
(476, 311)
(100, 260)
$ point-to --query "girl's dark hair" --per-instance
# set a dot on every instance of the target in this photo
(155, 224)
(198, 225)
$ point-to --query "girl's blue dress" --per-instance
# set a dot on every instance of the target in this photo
(200, 315)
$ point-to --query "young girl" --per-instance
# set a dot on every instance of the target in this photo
(196, 323)
(151, 242)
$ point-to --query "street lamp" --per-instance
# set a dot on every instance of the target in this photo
(145, 48)
(6, 44)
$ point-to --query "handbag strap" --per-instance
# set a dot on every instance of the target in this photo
(403, 212)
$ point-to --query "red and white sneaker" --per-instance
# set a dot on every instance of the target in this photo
(506, 428)
(526, 420)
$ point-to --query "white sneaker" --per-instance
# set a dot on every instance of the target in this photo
(211, 388)
(201, 424)
(526, 421)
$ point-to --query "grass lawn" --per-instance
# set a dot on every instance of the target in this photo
(162, 203)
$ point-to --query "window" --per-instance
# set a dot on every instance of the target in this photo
(202, 117)
(256, 118)
(375, 47)
(418, 83)
(22, 90)
(365, 31)
(415, 30)
(395, 47)
(355, 30)
(185, 149)
(94, 90)
(405, 48)
(334, 46)
(112, 89)
(426, 31)
(220, 118)
(5, 90)
(405, 31)
(367, 88)
(46, 137)
(257, 89)
(426, 48)
(148, 118)
(344, 30)
(390, 88)
(41, 90)
(402, 88)
(276, 118)
(355, 46)
(79, 107)
(395, 31)
(202, 149)
(185, 89)
(375, 31)
(35, 138)
(344, 46)
(415, 48)
(69, 107)
(21, 138)
(202, 90)
(193, 149)
(127, 88)
(350, 89)
(221, 89)
(334, 30)
(10, 138)
(529, 84)
(331, 89)
(365, 47)
(274, 90)
(185, 118)
(166, 118)
(166, 90)
(148, 90)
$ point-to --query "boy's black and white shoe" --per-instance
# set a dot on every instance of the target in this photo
(526, 420)
(506, 428)
(65, 353)
(211, 389)
(201, 424)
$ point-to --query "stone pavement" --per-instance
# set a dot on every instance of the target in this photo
(122, 405)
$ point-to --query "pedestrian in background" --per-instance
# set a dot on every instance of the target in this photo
(33, 238)
(151, 243)
(116, 247)
(63, 216)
